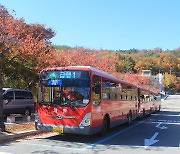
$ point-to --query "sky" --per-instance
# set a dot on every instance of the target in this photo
(105, 24)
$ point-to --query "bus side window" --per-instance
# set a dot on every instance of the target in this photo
(96, 90)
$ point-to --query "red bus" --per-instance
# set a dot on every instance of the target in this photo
(85, 100)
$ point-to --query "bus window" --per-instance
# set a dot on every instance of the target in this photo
(110, 89)
(96, 90)
(105, 89)
(146, 96)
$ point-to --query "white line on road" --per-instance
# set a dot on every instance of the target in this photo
(169, 115)
(165, 121)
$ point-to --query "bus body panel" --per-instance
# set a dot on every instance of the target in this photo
(66, 117)
(117, 111)
(61, 115)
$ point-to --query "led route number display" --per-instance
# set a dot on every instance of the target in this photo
(63, 74)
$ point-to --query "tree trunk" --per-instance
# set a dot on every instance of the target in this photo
(2, 126)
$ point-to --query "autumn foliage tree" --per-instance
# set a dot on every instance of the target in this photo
(84, 57)
(24, 48)
(123, 64)
(171, 82)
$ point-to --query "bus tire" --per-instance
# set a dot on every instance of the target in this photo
(143, 114)
(129, 116)
(150, 111)
(105, 126)
(159, 108)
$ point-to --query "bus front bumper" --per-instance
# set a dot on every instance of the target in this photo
(67, 129)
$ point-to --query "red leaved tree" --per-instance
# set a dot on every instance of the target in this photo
(84, 57)
(26, 43)
(137, 79)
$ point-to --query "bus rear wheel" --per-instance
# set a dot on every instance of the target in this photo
(105, 126)
(159, 108)
(129, 116)
(143, 114)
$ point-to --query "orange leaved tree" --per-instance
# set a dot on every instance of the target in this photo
(21, 46)
(84, 57)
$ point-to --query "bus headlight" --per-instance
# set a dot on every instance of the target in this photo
(86, 120)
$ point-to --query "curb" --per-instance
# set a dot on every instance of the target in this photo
(19, 136)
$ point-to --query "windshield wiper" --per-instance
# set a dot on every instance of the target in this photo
(71, 104)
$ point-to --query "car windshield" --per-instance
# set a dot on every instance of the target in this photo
(73, 92)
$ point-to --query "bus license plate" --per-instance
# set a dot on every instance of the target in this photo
(58, 129)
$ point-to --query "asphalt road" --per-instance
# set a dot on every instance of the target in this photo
(158, 133)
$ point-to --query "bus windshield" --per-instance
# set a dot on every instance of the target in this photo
(64, 88)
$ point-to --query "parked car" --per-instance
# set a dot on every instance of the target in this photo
(17, 101)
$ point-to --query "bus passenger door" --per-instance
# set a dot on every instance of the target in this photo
(96, 90)
(96, 107)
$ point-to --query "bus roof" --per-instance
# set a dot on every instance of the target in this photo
(96, 72)
(86, 68)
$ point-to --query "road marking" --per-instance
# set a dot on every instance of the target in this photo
(166, 121)
(112, 136)
(163, 120)
(151, 141)
(169, 115)
(161, 127)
